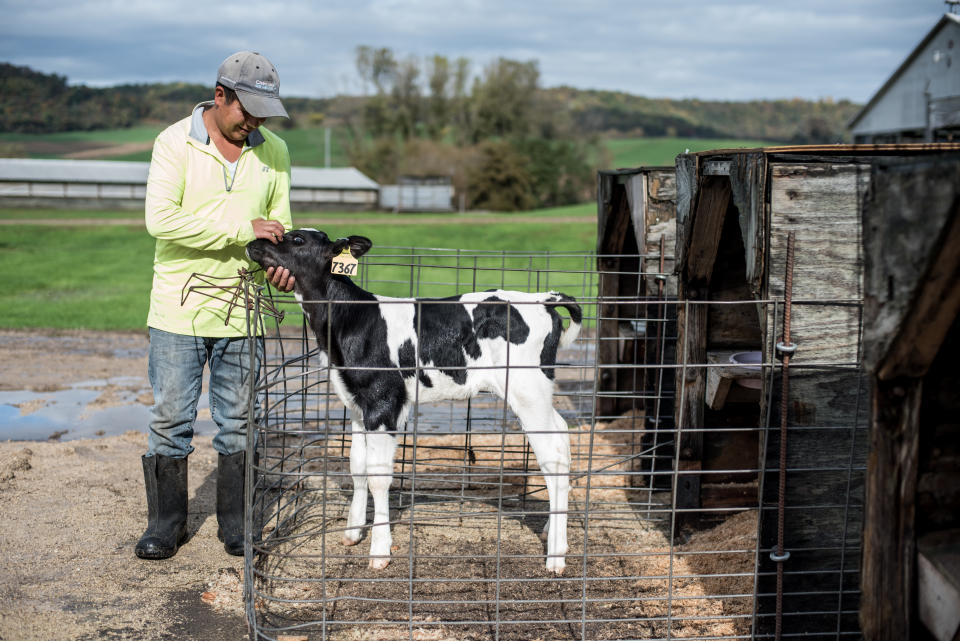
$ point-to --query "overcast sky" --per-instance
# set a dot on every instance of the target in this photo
(714, 50)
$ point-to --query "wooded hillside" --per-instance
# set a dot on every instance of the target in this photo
(506, 143)
(34, 102)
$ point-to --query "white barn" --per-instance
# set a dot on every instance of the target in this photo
(109, 184)
(921, 100)
(418, 193)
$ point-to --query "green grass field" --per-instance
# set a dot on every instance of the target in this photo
(99, 277)
(306, 149)
(109, 136)
(307, 146)
(366, 217)
(654, 152)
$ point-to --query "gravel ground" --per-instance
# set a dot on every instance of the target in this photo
(73, 508)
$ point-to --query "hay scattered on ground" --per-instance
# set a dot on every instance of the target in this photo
(470, 569)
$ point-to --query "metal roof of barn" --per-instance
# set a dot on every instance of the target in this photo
(948, 18)
(135, 173)
(330, 178)
(77, 171)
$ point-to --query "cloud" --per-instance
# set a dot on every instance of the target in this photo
(732, 50)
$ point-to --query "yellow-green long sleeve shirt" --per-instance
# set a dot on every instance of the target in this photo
(201, 218)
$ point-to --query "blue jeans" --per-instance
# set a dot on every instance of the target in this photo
(176, 370)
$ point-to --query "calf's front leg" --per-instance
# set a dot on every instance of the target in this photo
(358, 471)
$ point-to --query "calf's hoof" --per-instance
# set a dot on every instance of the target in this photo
(349, 540)
(379, 563)
(556, 564)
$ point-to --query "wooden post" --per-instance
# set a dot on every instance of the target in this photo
(691, 385)
(911, 235)
(889, 549)
(701, 243)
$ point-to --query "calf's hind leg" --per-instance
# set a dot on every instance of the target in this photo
(547, 432)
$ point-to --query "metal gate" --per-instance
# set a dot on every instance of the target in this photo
(468, 499)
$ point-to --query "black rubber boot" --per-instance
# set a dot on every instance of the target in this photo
(230, 485)
(166, 482)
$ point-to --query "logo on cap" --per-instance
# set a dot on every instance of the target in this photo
(268, 86)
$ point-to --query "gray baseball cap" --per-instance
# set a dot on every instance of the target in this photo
(256, 82)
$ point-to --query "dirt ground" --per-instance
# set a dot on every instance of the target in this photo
(74, 508)
(108, 151)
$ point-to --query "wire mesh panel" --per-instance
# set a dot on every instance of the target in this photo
(468, 501)
(787, 440)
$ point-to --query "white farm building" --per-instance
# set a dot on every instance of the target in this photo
(107, 184)
(921, 100)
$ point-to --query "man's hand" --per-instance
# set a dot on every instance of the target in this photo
(271, 230)
(281, 278)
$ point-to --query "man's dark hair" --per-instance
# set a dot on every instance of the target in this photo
(228, 94)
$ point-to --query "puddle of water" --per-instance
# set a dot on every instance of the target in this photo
(68, 413)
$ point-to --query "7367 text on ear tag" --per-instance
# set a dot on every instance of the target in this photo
(344, 263)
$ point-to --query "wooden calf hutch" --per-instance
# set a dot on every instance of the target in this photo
(911, 546)
(769, 376)
(636, 235)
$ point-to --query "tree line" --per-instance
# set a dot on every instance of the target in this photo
(492, 131)
(506, 142)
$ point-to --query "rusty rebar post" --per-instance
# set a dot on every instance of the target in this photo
(785, 348)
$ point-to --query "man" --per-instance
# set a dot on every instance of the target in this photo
(217, 181)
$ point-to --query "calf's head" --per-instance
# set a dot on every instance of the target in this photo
(305, 252)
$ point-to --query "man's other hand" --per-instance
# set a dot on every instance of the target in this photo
(271, 230)
(281, 278)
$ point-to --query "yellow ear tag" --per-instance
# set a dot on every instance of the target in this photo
(344, 264)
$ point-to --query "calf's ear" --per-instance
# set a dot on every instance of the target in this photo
(359, 245)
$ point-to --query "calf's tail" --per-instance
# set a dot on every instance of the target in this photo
(576, 317)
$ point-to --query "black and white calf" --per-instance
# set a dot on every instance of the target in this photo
(503, 342)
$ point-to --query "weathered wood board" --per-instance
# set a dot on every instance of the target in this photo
(821, 204)
(828, 408)
(659, 213)
(912, 236)
(730, 382)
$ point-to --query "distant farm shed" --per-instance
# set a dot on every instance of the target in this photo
(921, 100)
(107, 184)
(418, 193)
(339, 188)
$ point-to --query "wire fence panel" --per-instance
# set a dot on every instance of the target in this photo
(468, 502)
